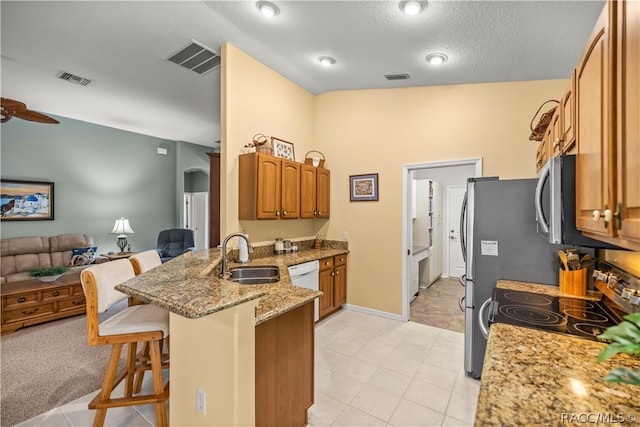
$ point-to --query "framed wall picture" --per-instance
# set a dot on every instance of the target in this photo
(363, 187)
(282, 148)
(26, 200)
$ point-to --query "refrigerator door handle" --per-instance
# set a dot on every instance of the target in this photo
(463, 240)
(542, 178)
(484, 328)
(461, 303)
(463, 280)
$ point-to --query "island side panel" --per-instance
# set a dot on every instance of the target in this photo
(285, 368)
(215, 354)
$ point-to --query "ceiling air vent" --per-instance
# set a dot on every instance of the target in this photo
(397, 76)
(196, 57)
(72, 78)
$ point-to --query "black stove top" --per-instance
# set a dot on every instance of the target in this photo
(573, 316)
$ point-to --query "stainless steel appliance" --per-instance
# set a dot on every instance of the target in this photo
(500, 242)
(555, 204)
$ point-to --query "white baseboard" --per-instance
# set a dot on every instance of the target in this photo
(372, 311)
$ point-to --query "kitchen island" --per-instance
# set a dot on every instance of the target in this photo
(533, 377)
(223, 332)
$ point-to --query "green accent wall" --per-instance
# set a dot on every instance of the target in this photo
(99, 174)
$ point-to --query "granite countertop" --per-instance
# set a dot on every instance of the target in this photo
(545, 289)
(533, 377)
(189, 285)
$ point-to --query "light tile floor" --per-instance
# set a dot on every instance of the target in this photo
(370, 371)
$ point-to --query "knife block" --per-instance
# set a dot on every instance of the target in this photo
(573, 282)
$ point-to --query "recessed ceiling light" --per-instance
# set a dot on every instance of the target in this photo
(412, 7)
(326, 61)
(267, 8)
(437, 58)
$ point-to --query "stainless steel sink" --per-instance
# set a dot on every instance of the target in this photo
(255, 275)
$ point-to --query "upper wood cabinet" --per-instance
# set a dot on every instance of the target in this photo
(628, 124)
(314, 188)
(269, 187)
(567, 107)
(608, 129)
(594, 186)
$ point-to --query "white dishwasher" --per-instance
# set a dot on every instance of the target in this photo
(306, 276)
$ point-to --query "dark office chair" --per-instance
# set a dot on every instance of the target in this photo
(174, 242)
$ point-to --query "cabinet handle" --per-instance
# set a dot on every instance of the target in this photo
(618, 216)
(22, 299)
(27, 313)
(277, 213)
(319, 213)
(333, 274)
(606, 215)
(79, 302)
(56, 293)
(556, 143)
(284, 213)
(337, 272)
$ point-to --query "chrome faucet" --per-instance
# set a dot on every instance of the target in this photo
(224, 271)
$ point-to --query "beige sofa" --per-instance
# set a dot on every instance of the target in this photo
(21, 254)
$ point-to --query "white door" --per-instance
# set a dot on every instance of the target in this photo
(196, 217)
(455, 196)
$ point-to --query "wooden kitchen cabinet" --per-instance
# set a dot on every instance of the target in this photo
(544, 151)
(608, 145)
(333, 284)
(314, 192)
(269, 187)
(284, 360)
(567, 107)
(595, 130)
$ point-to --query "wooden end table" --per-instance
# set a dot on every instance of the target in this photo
(30, 302)
(118, 255)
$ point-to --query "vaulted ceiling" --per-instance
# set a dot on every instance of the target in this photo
(123, 46)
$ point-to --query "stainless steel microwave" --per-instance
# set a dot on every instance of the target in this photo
(555, 201)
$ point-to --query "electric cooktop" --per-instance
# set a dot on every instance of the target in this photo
(573, 316)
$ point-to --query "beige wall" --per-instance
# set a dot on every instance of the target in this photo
(372, 131)
(377, 131)
(256, 99)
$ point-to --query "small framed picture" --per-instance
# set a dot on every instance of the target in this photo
(363, 187)
(26, 200)
(282, 148)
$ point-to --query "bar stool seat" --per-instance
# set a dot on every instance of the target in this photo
(147, 324)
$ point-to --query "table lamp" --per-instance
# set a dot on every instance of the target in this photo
(121, 227)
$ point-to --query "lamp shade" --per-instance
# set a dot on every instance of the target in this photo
(122, 227)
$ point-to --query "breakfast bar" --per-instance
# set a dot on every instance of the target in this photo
(216, 327)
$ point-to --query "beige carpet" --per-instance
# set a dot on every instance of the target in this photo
(47, 365)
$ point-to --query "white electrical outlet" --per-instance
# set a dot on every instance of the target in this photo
(345, 235)
(201, 401)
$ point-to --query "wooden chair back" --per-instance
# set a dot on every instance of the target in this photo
(145, 261)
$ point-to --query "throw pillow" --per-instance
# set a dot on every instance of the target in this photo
(83, 256)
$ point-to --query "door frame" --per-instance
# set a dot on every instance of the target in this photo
(407, 196)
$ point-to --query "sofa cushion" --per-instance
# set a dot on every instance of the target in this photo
(62, 246)
(24, 245)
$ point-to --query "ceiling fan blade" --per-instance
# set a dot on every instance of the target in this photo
(11, 105)
(33, 116)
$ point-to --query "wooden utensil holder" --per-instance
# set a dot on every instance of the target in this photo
(573, 282)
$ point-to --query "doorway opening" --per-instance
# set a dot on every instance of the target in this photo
(196, 205)
(443, 265)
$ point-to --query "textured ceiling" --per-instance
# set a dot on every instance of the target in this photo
(123, 47)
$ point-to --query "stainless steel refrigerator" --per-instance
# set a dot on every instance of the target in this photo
(500, 241)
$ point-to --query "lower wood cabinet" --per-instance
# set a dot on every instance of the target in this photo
(333, 284)
(285, 368)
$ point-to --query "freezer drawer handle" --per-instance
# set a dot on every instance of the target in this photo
(461, 303)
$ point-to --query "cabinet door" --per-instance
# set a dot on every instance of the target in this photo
(307, 191)
(340, 285)
(325, 304)
(594, 186)
(268, 203)
(567, 104)
(542, 154)
(290, 190)
(323, 182)
(628, 124)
